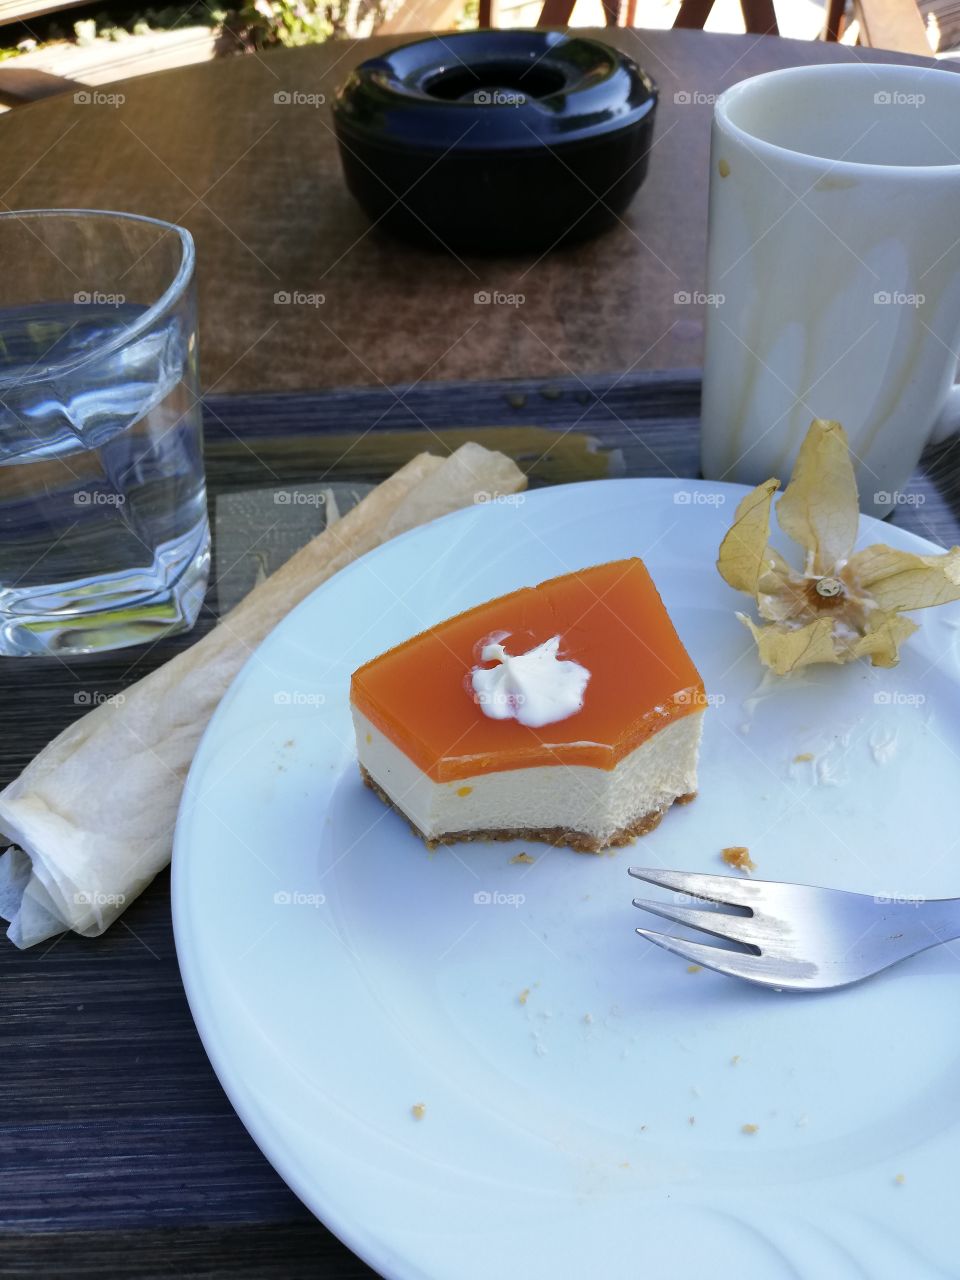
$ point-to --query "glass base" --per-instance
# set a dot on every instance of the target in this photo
(102, 614)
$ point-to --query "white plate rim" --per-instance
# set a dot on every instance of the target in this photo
(375, 1252)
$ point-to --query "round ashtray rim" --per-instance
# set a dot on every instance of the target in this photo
(369, 81)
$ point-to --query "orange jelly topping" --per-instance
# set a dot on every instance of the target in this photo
(610, 619)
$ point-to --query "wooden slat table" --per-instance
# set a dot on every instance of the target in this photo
(121, 1154)
(230, 150)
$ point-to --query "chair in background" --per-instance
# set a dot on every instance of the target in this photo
(758, 16)
(884, 24)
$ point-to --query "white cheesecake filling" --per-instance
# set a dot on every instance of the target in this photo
(594, 802)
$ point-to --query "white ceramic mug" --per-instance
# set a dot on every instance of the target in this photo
(833, 270)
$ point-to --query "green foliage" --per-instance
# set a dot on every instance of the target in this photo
(250, 25)
(288, 22)
(103, 26)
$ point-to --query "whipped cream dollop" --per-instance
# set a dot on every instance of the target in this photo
(536, 687)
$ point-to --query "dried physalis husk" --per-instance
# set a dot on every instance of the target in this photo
(842, 605)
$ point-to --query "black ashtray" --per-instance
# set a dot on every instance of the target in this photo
(496, 141)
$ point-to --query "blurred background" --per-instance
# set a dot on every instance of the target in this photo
(46, 41)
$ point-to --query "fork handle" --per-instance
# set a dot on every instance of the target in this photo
(941, 916)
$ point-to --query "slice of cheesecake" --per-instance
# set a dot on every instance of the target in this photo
(569, 712)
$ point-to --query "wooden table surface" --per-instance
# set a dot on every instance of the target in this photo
(258, 183)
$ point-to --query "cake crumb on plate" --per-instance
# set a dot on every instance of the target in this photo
(749, 1128)
(418, 1110)
(522, 857)
(738, 855)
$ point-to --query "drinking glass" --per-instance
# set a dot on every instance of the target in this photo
(104, 539)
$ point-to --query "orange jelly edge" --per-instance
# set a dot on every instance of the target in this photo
(610, 619)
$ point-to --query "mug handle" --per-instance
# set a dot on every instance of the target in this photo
(948, 423)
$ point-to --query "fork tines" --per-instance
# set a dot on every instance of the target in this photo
(725, 890)
(722, 890)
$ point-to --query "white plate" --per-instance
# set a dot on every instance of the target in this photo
(339, 973)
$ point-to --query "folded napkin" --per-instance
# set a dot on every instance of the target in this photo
(91, 818)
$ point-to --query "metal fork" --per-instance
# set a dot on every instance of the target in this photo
(801, 938)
